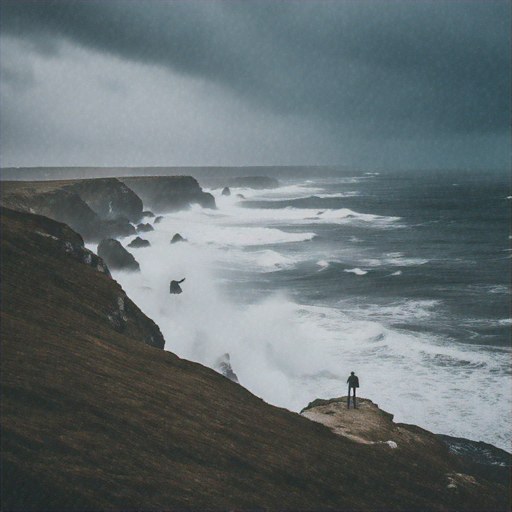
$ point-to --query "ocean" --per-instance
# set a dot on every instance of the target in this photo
(402, 277)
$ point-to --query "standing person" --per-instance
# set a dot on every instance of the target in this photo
(353, 383)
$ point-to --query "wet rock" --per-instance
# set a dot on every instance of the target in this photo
(241, 196)
(177, 238)
(147, 214)
(144, 228)
(116, 256)
(158, 219)
(139, 242)
(119, 227)
(226, 191)
(175, 287)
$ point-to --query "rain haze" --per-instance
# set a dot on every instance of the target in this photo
(166, 83)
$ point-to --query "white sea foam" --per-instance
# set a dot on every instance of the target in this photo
(395, 259)
(289, 353)
(356, 271)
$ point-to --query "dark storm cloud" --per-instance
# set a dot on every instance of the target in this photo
(403, 69)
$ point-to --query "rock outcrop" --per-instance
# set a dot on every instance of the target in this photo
(116, 256)
(139, 242)
(226, 191)
(169, 193)
(223, 366)
(370, 425)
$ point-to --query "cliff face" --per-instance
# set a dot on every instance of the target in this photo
(95, 419)
(110, 198)
(103, 207)
(59, 204)
(61, 201)
(169, 193)
(49, 278)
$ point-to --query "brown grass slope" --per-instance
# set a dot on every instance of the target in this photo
(94, 419)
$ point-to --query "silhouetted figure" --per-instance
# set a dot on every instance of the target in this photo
(353, 383)
(175, 286)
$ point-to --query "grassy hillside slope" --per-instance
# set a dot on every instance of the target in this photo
(93, 418)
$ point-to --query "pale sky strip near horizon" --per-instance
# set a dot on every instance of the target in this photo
(372, 84)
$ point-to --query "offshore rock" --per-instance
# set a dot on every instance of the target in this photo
(169, 193)
(116, 256)
(175, 288)
(178, 238)
(147, 214)
(139, 243)
(144, 228)
(226, 191)
(119, 227)
(158, 219)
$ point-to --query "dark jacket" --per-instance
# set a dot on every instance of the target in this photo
(353, 381)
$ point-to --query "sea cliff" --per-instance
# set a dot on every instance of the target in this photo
(96, 417)
(103, 207)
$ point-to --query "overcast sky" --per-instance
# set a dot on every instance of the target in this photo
(409, 84)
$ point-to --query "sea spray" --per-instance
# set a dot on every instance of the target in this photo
(268, 286)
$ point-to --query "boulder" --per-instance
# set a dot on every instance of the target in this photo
(158, 219)
(241, 196)
(116, 256)
(147, 214)
(143, 228)
(139, 242)
(226, 191)
(177, 238)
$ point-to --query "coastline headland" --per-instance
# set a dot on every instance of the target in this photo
(96, 416)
